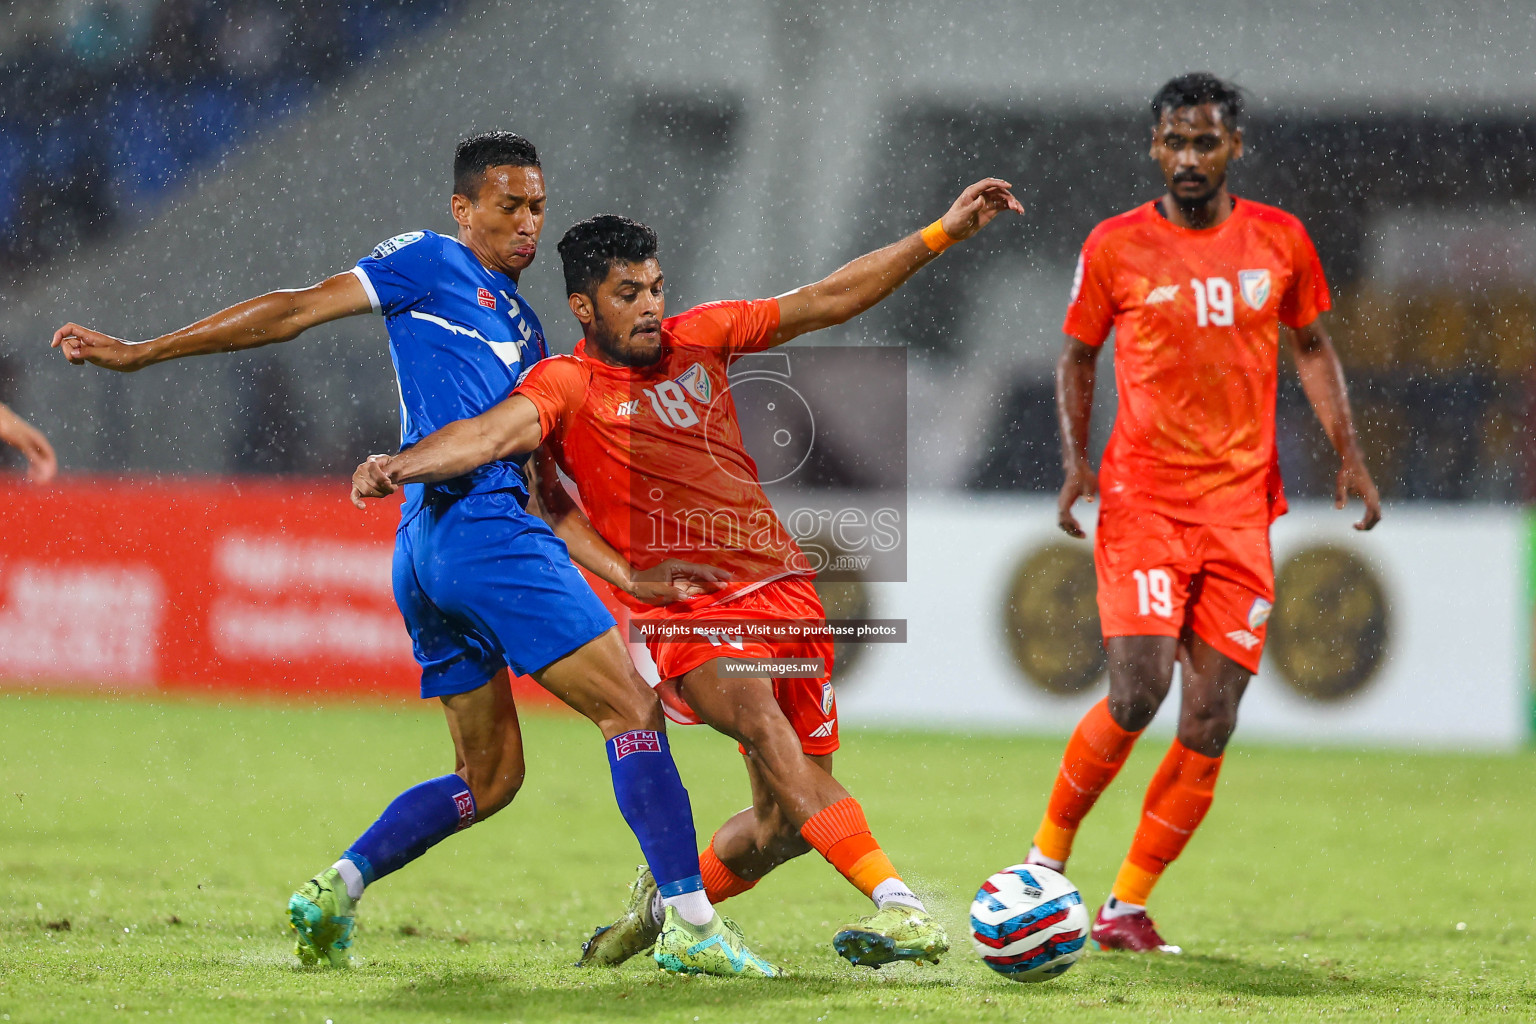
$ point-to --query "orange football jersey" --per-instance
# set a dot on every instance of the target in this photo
(656, 452)
(1196, 315)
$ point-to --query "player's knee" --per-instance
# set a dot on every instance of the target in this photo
(1137, 687)
(1133, 708)
(1206, 730)
(494, 786)
(629, 704)
(770, 740)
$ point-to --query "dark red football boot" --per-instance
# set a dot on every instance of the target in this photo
(1132, 932)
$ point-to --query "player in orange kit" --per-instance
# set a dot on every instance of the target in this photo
(1195, 285)
(641, 419)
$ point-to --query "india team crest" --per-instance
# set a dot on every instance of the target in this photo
(695, 381)
(826, 698)
(1258, 612)
(1254, 284)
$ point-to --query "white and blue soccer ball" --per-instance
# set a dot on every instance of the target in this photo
(1029, 923)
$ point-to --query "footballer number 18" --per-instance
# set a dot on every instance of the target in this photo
(1154, 593)
(671, 404)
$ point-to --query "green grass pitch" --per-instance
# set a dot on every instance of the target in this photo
(147, 849)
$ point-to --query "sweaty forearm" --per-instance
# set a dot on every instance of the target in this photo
(1322, 378)
(450, 452)
(265, 320)
(589, 550)
(551, 502)
(872, 278)
(1074, 406)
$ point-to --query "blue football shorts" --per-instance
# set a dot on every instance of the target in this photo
(483, 583)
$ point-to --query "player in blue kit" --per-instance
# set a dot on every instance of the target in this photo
(483, 584)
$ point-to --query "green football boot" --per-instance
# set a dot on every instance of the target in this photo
(895, 932)
(716, 948)
(320, 913)
(634, 932)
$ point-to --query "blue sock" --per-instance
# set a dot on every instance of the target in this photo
(655, 805)
(413, 823)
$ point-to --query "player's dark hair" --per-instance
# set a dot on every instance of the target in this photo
(594, 245)
(488, 149)
(1196, 88)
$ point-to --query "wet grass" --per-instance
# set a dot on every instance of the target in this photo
(147, 848)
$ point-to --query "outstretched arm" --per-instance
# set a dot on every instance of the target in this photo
(1322, 378)
(42, 464)
(511, 427)
(671, 580)
(264, 320)
(1076, 371)
(855, 287)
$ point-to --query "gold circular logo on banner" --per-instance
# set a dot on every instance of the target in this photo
(1330, 626)
(1051, 620)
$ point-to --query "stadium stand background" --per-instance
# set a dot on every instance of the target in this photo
(767, 141)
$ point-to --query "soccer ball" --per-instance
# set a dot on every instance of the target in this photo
(1029, 923)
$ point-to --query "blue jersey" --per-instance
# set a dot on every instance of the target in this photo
(460, 337)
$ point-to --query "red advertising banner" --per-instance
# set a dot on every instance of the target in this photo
(237, 584)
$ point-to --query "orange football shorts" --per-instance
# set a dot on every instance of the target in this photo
(809, 704)
(1159, 576)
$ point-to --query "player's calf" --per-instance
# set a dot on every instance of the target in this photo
(600, 681)
(746, 848)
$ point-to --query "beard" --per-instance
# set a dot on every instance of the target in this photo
(1192, 203)
(621, 350)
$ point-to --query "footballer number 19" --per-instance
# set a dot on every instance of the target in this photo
(1213, 301)
(1154, 592)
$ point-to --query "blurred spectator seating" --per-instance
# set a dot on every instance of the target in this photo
(106, 104)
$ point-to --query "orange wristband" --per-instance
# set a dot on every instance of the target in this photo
(936, 238)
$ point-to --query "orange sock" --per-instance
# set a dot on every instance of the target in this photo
(1095, 752)
(840, 834)
(720, 882)
(1177, 799)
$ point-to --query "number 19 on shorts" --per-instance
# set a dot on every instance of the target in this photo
(1154, 593)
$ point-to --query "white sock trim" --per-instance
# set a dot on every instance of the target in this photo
(1114, 908)
(351, 876)
(894, 890)
(693, 907)
(1036, 857)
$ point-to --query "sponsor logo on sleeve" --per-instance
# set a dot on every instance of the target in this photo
(639, 741)
(485, 298)
(396, 244)
(1254, 284)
